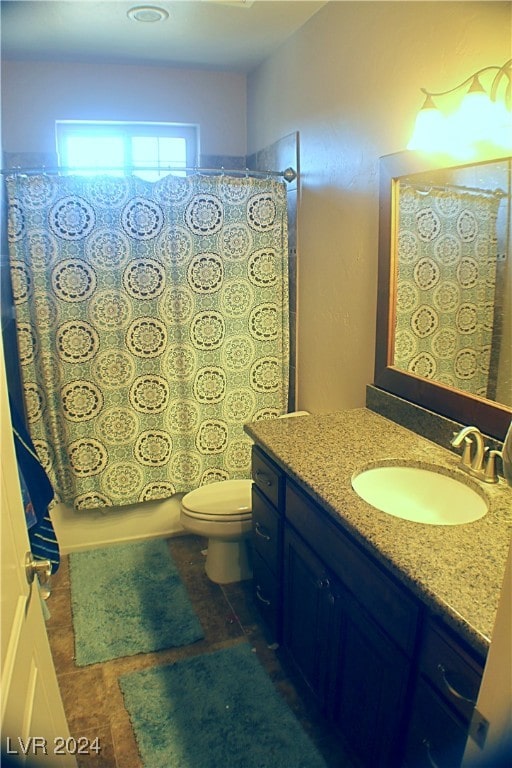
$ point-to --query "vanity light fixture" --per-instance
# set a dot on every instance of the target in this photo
(147, 13)
(482, 117)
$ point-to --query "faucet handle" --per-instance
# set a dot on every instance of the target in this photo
(490, 474)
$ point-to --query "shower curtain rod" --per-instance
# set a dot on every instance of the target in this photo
(289, 174)
(457, 187)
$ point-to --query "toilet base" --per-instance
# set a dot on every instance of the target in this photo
(228, 561)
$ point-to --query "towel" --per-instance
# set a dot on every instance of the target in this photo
(37, 492)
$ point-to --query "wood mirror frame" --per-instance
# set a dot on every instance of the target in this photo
(490, 417)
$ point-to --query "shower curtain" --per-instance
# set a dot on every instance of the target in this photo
(152, 323)
(446, 284)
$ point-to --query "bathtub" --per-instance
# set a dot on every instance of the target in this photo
(87, 528)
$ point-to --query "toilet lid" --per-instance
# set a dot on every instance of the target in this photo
(227, 498)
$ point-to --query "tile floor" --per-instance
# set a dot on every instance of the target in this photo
(91, 695)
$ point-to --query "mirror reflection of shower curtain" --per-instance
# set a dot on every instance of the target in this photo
(500, 374)
(152, 323)
(446, 286)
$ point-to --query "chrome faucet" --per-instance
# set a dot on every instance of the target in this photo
(467, 462)
(474, 465)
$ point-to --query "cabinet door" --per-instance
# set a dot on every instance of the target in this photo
(307, 613)
(378, 593)
(370, 683)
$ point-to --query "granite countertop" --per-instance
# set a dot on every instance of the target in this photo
(456, 570)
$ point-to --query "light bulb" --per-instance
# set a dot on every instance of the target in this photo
(429, 129)
(475, 119)
(502, 126)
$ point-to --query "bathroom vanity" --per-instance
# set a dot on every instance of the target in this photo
(387, 621)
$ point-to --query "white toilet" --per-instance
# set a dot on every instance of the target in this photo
(223, 513)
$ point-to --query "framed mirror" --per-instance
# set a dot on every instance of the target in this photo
(444, 308)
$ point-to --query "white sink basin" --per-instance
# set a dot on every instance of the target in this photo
(418, 494)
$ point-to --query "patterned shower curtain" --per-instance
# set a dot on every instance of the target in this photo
(152, 323)
(446, 278)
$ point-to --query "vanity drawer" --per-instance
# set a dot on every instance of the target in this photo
(389, 604)
(450, 670)
(267, 477)
(436, 737)
(265, 530)
(267, 595)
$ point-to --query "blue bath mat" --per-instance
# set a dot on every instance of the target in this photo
(128, 599)
(216, 710)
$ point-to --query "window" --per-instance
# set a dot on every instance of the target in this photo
(111, 148)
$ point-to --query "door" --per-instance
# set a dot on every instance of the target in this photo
(33, 724)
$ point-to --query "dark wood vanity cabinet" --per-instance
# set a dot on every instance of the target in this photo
(444, 700)
(358, 672)
(267, 531)
(394, 682)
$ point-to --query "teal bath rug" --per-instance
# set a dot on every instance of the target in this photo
(217, 710)
(128, 599)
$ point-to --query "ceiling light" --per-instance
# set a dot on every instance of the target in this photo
(147, 13)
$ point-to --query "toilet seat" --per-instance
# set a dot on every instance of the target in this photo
(226, 501)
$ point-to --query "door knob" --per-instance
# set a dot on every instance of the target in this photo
(40, 568)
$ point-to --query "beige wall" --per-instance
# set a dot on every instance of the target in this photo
(349, 83)
(35, 94)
